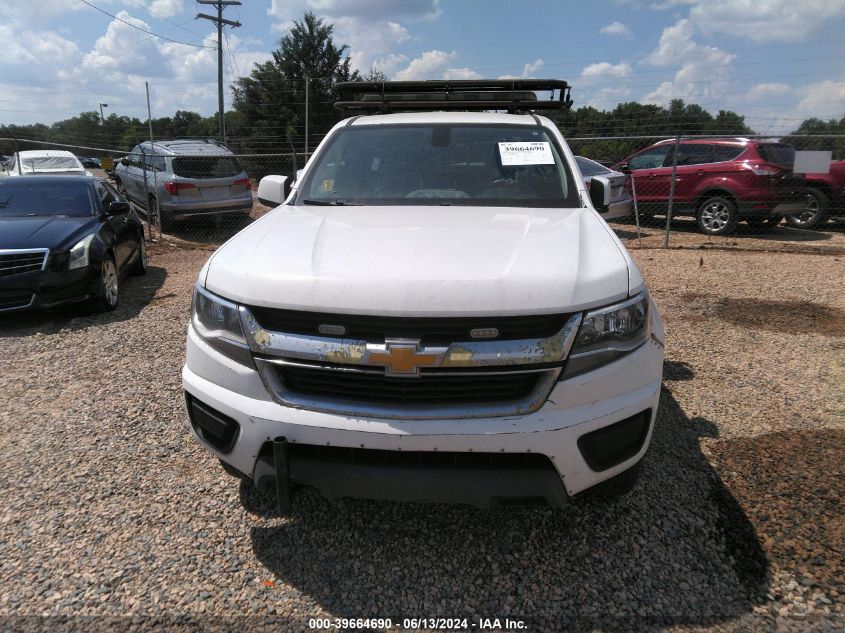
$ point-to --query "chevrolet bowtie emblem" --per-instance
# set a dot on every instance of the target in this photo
(401, 358)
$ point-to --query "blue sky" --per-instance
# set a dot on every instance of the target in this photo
(775, 61)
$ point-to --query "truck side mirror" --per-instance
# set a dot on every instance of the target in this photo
(273, 190)
(600, 192)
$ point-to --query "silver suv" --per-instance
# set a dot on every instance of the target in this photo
(184, 178)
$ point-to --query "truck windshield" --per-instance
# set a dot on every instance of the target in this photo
(487, 165)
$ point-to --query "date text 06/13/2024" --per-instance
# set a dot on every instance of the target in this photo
(414, 624)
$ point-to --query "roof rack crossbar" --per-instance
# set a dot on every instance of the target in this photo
(513, 95)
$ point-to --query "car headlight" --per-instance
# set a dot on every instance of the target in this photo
(79, 253)
(218, 322)
(607, 334)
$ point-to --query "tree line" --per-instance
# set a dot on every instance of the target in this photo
(269, 111)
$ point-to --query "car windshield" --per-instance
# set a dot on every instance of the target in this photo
(437, 164)
(34, 197)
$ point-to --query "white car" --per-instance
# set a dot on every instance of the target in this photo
(435, 313)
(53, 162)
(621, 203)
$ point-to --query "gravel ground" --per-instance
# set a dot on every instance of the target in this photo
(114, 518)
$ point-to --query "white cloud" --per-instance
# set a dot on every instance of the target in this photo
(615, 28)
(705, 71)
(774, 20)
(824, 99)
(606, 70)
(461, 73)
(528, 71)
(608, 98)
(761, 90)
(160, 8)
(669, 4)
(36, 51)
(28, 14)
(368, 40)
(415, 9)
(125, 49)
(390, 64)
(768, 21)
(429, 65)
(371, 28)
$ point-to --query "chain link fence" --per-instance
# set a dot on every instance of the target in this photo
(686, 191)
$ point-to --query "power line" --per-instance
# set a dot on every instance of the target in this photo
(143, 30)
(161, 17)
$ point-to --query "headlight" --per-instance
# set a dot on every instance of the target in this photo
(218, 323)
(608, 333)
(79, 253)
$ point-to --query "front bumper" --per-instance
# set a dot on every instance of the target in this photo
(574, 408)
(46, 289)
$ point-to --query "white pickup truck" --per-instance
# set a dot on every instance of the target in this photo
(434, 313)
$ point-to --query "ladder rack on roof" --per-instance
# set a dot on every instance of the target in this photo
(513, 95)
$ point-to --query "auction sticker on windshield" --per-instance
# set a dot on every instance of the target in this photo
(529, 153)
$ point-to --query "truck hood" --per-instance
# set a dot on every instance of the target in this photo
(424, 261)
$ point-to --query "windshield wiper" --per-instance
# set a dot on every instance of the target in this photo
(331, 203)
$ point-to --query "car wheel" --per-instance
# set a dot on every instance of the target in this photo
(717, 216)
(139, 267)
(118, 184)
(109, 286)
(164, 220)
(814, 214)
(618, 485)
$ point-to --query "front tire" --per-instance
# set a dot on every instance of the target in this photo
(108, 293)
(815, 214)
(717, 216)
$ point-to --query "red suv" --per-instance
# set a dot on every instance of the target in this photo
(719, 182)
(827, 198)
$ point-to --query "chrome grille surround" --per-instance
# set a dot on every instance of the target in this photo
(16, 302)
(275, 351)
(19, 261)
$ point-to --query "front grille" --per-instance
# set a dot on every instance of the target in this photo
(15, 301)
(429, 330)
(427, 389)
(20, 262)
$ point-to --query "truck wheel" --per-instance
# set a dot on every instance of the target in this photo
(717, 216)
(815, 214)
(618, 485)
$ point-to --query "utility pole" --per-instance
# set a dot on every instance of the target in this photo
(102, 119)
(219, 22)
(307, 82)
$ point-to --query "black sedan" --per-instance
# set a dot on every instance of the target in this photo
(65, 239)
